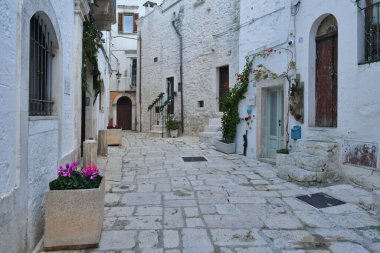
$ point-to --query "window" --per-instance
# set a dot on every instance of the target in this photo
(40, 68)
(372, 31)
(127, 22)
(134, 72)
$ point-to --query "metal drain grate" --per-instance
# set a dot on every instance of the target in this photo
(194, 159)
(320, 200)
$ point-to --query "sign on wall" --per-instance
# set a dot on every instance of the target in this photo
(360, 153)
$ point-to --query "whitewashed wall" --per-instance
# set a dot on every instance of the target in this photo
(32, 147)
(263, 24)
(209, 41)
(358, 85)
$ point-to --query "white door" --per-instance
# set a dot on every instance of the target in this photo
(274, 121)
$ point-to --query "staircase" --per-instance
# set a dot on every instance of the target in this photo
(158, 114)
(311, 163)
(212, 131)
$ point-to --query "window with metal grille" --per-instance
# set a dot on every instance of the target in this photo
(372, 31)
(40, 66)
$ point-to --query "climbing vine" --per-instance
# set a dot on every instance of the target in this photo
(230, 102)
(90, 57)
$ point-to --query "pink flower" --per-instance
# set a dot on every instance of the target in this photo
(68, 170)
(91, 171)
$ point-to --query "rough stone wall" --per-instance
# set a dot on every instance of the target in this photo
(210, 40)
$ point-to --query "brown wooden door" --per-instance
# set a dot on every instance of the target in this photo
(124, 113)
(223, 85)
(326, 81)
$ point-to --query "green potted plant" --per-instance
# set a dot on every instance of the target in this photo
(74, 208)
(172, 126)
(231, 118)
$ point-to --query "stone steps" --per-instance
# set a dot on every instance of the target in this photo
(212, 131)
(304, 161)
(310, 163)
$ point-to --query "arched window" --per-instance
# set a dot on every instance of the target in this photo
(40, 67)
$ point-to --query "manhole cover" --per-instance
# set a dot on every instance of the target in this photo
(194, 159)
(320, 200)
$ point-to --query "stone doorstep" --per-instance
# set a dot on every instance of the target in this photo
(315, 147)
(304, 161)
(294, 173)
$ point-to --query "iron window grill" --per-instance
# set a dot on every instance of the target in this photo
(372, 32)
(40, 66)
(134, 72)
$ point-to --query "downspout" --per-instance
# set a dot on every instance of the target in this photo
(140, 44)
(180, 71)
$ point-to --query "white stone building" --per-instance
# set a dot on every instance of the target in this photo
(209, 54)
(124, 56)
(336, 52)
(40, 116)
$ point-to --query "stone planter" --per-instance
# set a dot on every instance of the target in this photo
(114, 137)
(227, 148)
(174, 133)
(74, 218)
(281, 159)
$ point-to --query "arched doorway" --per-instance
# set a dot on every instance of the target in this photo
(326, 83)
(124, 113)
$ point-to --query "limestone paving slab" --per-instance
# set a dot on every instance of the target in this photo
(229, 204)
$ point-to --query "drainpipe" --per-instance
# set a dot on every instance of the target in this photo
(140, 45)
(180, 71)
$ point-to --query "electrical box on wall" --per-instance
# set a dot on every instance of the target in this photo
(251, 100)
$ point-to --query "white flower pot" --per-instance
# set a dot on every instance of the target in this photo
(227, 148)
(74, 218)
(174, 133)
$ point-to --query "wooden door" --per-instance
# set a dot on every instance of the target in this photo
(124, 113)
(274, 121)
(170, 93)
(223, 85)
(326, 81)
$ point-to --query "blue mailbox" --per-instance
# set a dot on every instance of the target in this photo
(296, 132)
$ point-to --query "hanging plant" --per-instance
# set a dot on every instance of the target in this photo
(90, 58)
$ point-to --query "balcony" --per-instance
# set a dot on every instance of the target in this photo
(104, 13)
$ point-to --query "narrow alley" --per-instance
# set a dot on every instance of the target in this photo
(156, 202)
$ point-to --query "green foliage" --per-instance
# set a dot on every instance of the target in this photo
(282, 151)
(90, 57)
(76, 181)
(230, 103)
(171, 123)
(160, 96)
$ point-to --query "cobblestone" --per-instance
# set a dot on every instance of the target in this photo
(157, 203)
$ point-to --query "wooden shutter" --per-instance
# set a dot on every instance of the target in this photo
(135, 17)
(120, 22)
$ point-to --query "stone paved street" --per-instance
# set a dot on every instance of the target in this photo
(156, 202)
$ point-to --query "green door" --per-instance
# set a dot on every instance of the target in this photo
(274, 121)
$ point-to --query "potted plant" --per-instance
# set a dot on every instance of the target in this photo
(74, 208)
(172, 125)
(114, 134)
(281, 156)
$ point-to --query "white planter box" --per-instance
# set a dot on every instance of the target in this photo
(227, 148)
(174, 133)
(114, 137)
(74, 218)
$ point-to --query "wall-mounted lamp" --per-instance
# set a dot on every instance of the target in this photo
(118, 75)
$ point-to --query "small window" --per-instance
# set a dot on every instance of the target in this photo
(40, 67)
(127, 22)
(372, 31)
(134, 72)
(155, 59)
(201, 104)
